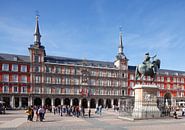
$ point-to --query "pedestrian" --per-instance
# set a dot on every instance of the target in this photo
(175, 115)
(29, 113)
(41, 113)
(89, 112)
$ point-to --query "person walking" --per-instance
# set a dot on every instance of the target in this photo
(89, 112)
(29, 113)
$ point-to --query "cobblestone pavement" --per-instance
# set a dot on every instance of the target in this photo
(17, 120)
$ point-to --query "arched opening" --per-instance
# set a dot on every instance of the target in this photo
(108, 103)
(16, 102)
(115, 103)
(67, 101)
(7, 102)
(92, 103)
(57, 102)
(100, 102)
(48, 102)
(75, 102)
(84, 103)
(24, 102)
(37, 101)
(167, 99)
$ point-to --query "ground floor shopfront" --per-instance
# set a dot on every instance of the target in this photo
(22, 101)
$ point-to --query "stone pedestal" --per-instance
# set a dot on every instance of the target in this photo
(145, 105)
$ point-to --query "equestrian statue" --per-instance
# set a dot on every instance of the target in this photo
(149, 67)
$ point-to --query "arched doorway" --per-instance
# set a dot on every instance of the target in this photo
(66, 101)
(24, 102)
(100, 102)
(7, 102)
(108, 103)
(167, 99)
(84, 103)
(48, 102)
(57, 102)
(16, 102)
(75, 102)
(37, 101)
(92, 103)
(115, 103)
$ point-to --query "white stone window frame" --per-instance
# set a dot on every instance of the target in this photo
(5, 89)
(15, 67)
(13, 89)
(5, 67)
(24, 68)
(24, 89)
(5, 77)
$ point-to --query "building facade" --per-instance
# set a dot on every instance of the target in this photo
(40, 79)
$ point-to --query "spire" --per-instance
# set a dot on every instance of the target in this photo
(37, 32)
(120, 49)
(120, 54)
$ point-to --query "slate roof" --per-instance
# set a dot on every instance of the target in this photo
(74, 61)
(13, 57)
(65, 60)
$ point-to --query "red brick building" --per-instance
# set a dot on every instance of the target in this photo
(40, 79)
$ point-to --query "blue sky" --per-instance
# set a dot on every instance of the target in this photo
(90, 28)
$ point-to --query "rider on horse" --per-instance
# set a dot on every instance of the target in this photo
(148, 63)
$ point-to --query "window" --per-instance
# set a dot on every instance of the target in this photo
(48, 69)
(58, 70)
(76, 91)
(37, 79)
(5, 89)
(58, 80)
(48, 79)
(23, 68)
(24, 89)
(57, 90)
(37, 89)
(14, 78)
(67, 90)
(37, 69)
(24, 79)
(15, 67)
(15, 89)
(168, 79)
(5, 67)
(37, 59)
(48, 90)
(5, 78)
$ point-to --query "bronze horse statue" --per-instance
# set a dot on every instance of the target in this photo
(149, 69)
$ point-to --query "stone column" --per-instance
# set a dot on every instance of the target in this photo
(20, 102)
(62, 101)
(104, 103)
(30, 101)
(119, 102)
(43, 102)
(71, 102)
(12, 102)
(96, 103)
(52, 102)
(88, 103)
(112, 103)
(80, 102)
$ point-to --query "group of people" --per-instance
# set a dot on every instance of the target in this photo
(71, 110)
(38, 110)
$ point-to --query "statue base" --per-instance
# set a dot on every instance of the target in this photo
(145, 104)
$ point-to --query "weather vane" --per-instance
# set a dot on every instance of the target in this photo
(120, 28)
(37, 13)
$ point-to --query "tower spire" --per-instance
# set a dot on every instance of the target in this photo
(120, 49)
(37, 32)
(120, 54)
